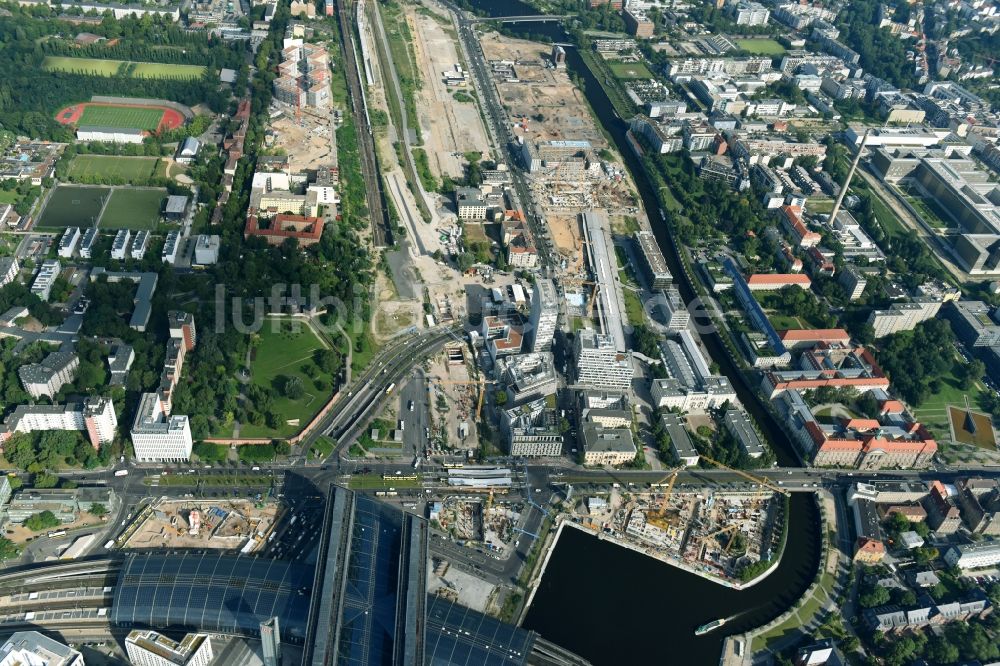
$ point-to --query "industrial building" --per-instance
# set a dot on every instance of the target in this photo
(603, 263)
(65, 503)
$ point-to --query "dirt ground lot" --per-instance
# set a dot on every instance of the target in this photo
(542, 90)
(308, 145)
(566, 235)
(447, 125)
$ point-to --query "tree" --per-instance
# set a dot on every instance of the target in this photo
(500, 399)
(43, 480)
(971, 373)
(925, 554)
(282, 447)
(941, 651)
(42, 521)
(96, 509)
(293, 388)
(8, 549)
(879, 596)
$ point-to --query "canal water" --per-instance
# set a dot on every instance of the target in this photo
(610, 604)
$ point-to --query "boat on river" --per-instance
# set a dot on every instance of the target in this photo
(711, 626)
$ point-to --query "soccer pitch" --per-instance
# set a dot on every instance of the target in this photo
(134, 208)
(71, 206)
(85, 167)
(630, 70)
(135, 117)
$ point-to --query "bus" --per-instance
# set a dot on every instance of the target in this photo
(453, 465)
(386, 493)
(389, 388)
(56, 534)
(121, 472)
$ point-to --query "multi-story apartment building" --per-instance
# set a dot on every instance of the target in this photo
(68, 242)
(46, 378)
(9, 268)
(45, 278)
(903, 316)
(544, 314)
(146, 647)
(749, 13)
(119, 247)
(599, 363)
(974, 555)
(95, 416)
(157, 436)
(182, 326)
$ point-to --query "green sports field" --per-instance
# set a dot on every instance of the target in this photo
(104, 166)
(630, 70)
(761, 46)
(72, 206)
(134, 208)
(135, 117)
(103, 67)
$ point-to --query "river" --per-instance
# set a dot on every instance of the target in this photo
(612, 605)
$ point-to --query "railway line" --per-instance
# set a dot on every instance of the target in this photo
(377, 210)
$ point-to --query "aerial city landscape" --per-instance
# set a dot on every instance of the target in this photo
(499, 332)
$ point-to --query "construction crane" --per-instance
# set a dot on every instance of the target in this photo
(482, 390)
(763, 481)
(670, 477)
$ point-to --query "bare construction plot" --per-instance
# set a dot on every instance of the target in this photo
(450, 127)
(552, 106)
(308, 142)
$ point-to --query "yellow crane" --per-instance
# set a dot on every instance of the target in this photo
(763, 481)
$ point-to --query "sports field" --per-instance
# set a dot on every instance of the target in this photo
(630, 70)
(283, 352)
(136, 117)
(134, 208)
(104, 166)
(760, 46)
(103, 67)
(72, 206)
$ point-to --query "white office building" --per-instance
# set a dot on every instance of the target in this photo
(149, 648)
(974, 555)
(544, 315)
(599, 364)
(157, 436)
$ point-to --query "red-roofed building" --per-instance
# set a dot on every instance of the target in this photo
(833, 365)
(869, 551)
(820, 262)
(791, 220)
(306, 230)
(775, 281)
(803, 339)
(868, 444)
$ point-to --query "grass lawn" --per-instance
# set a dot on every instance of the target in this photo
(630, 70)
(106, 166)
(284, 350)
(633, 308)
(785, 322)
(9, 197)
(69, 205)
(134, 117)
(761, 46)
(933, 412)
(820, 205)
(105, 67)
(134, 209)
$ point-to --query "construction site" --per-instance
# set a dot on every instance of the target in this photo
(484, 522)
(710, 531)
(456, 401)
(224, 525)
